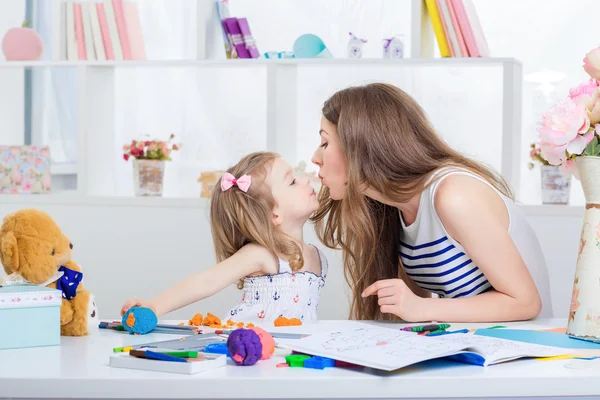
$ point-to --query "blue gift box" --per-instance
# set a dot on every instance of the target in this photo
(29, 316)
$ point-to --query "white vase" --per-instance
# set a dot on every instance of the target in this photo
(584, 313)
(556, 188)
(148, 176)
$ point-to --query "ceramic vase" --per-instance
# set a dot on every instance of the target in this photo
(584, 313)
(20, 44)
(148, 176)
(556, 188)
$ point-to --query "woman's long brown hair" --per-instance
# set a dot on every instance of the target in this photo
(392, 148)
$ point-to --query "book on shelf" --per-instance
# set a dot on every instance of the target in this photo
(106, 30)
(457, 28)
(237, 37)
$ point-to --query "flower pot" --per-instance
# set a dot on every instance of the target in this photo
(584, 314)
(148, 176)
(556, 187)
(20, 44)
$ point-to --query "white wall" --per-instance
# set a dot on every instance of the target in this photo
(12, 14)
(139, 251)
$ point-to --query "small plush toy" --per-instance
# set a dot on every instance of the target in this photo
(247, 346)
(34, 249)
(139, 320)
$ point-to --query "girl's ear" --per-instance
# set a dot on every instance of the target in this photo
(277, 220)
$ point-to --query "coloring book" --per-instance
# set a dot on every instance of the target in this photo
(389, 349)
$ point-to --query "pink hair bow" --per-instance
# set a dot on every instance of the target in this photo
(229, 180)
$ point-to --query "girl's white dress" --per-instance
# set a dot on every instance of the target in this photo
(288, 294)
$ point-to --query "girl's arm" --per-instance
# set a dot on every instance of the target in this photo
(250, 259)
(476, 217)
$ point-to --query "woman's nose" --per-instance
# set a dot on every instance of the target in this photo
(316, 158)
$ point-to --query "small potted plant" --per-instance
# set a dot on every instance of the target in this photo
(556, 184)
(149, 158)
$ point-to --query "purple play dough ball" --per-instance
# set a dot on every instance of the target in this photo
(244, 346)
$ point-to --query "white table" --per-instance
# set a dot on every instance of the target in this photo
(79, 369)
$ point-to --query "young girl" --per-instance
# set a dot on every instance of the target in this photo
(414, 218)
(257, 218)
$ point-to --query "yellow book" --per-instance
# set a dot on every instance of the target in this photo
(438, 28)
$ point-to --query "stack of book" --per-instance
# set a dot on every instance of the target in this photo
(107, 30)
(239, 42)
(457, 28)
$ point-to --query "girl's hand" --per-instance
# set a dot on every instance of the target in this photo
(136, 303)
(395, 297)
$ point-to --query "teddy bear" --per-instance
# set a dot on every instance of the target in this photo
(34, 248)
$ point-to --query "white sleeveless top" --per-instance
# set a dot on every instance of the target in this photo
(439, 264)
(288, 294)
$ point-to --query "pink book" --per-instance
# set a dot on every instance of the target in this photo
(457, 28)
(79, 31)
(478, 34)
(110, 55)
(122, 28)
(134, 31)
(445, 26)
(465, 27)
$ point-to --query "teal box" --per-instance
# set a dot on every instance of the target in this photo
(29, 316)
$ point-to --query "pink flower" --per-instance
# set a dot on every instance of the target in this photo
(559, 127)
(126, 148)
(175, 147)
(152, 147)
(570, 168)
(140, 145)
(16, 176)
(126, 157)
(588, 94)
(164, 148)
(591, 63)
(26, 186)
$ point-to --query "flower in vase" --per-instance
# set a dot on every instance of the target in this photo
(591, 63)
(565, 128)
(150, 149)
(588, 94)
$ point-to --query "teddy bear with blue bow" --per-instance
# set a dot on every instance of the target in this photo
(34, 250)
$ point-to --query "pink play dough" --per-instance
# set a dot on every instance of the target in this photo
(22, 44)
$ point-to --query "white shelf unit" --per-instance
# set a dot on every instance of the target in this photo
(208, 39)
(285, 96)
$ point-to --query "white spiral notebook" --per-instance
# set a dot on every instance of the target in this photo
(390, 349)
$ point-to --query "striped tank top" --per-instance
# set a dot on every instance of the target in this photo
(439, 264)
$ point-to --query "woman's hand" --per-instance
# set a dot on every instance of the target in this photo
(395, 297)
(136, 303)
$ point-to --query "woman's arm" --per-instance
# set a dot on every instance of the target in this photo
(476, 217)
(250, 259)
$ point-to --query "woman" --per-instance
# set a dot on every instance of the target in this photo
(415, 218)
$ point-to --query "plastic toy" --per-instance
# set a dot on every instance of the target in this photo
(296, 360)
(319, 362)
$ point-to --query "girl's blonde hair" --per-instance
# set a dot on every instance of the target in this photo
(392, 148)
(238, 218)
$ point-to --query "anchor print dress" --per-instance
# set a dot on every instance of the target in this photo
(287, 293)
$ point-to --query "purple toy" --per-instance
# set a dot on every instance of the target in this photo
(244, 346)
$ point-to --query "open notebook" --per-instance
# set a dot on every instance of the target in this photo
(389, 349)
